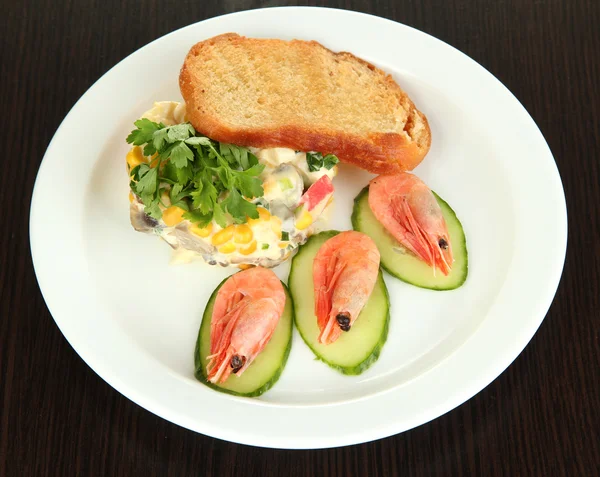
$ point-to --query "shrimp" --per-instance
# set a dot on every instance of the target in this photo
(246, 312)
(344, 273)
(408, 210)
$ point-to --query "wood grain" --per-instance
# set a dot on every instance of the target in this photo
(539, 418)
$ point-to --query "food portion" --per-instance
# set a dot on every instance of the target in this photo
(420, 239)
(229, 205)
(299, 95)
(345, 270)
(355, 349)
(245, 335)
(240, 174)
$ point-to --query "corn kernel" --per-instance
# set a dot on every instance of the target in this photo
(249, 249)
(223, 236)
(135, 157)
(227, 248)
(172, 216)
(304, 221)
(276, 226)
(131, 197)
(202, 232)
(245, 266)
(243, 234)
(283, 244)
(263, 213)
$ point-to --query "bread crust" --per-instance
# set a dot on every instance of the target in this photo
(380, 153)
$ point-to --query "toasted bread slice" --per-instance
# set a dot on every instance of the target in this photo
(298, 94)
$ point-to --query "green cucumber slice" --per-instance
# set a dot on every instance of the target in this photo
(264, 372)
(359, 348)
(401, 263)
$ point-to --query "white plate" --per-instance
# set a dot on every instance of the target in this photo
(134, 319)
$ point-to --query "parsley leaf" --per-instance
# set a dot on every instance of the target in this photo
(249, 183)
(135, 173)
(242, 157)
(148, 182)
(198, 141)
(159, 138)
(224, 174)
(149, 149)
(229, 153)
(153, 209)
(238, 156)
(204, 197)
(181, 175)
(202, 220)
(177, 194)
(143, 133)
(170, 172)
(182, 204)
(180, 132)
(238, 207)
(219, 215)
(181, 154)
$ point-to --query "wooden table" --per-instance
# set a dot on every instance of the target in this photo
(540, 417)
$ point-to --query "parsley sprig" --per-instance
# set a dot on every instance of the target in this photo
(208, 179)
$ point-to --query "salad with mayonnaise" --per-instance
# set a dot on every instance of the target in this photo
(226, 204)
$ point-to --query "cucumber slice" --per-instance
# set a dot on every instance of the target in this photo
(359, 348)
(264, 372)
(401, 263)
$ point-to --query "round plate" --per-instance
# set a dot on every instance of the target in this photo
(134, 318)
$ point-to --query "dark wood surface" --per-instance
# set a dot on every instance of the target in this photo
(540, 417)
